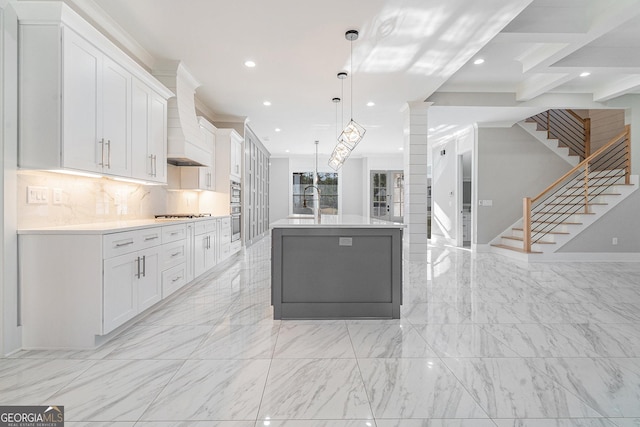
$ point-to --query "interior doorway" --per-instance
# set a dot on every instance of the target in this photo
(464, 199)
(387, 195)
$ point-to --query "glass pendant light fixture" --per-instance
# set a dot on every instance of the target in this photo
(353, 133)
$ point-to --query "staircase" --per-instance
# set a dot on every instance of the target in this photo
(562, 131)
(572, 203)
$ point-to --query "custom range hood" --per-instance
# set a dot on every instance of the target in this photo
(185, 141)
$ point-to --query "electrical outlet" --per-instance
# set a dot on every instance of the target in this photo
(57, 196)
(614, 241)
(37, 195)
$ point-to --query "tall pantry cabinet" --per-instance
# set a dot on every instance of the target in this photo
(256, 188)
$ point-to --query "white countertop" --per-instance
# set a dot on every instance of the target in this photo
(335, 221)
(112, 226)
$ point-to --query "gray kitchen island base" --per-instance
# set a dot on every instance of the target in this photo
(336, 272)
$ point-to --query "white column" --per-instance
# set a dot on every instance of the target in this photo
(415, 181)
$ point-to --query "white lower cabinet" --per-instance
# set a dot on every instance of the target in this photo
(205, 246)
(130, 286)
(78, 286)
(224, 240)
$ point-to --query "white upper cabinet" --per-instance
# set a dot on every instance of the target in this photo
(116, 113)
(81, 103)
(148, 133)
(228, 158)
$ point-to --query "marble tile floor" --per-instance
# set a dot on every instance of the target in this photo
(483, 342)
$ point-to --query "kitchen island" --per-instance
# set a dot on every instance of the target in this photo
(340, 267)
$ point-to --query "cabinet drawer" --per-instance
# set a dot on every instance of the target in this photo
(149, 237)
(173, 279)
(172, 233)
(225, 223)
(130, 241)
(225, 251)
(173, 253)
(205, 226)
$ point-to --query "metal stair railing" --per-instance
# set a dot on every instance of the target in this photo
(569, 128)
(608, 166)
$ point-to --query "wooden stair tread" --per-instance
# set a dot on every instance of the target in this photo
(546, 232)
(511, 248)
(520, 239)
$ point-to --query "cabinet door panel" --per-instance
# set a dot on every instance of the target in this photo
(119, 293)
(158, 137)
(200, 254)
(115, 115)
(149, 284)
(82, 94)
(141, 161)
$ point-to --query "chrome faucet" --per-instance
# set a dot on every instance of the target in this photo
(304, 196)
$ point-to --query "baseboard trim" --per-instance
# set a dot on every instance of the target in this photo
(587, 256)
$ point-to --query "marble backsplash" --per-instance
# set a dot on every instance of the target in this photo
(88, 200)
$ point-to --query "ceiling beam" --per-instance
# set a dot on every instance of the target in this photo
(541, 83)
(618, 88)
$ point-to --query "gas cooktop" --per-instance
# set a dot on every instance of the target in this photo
(182, 215)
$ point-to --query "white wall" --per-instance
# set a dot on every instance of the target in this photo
(444, 189)
(10, 339)
(352, 186)
(622, 222)
(511, 165)
(446, 203)
(279, 182)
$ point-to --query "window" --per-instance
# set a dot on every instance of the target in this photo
(328, 185)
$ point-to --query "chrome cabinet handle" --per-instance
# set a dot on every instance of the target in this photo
(154, 166)
(101, 142)
(144, 266)
(176, 279)
(119, 245)
(108, 154)
(146, 239)
(175, 254)
(137, 267)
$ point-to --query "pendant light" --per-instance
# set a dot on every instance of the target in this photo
(335, 161)
(341, 151)
(353, 132)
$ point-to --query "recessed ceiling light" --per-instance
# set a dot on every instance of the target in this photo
(249, 64)
(286, 151)
(278, 129)
(478, 61)
(401, 148)
(370, 104)
(585, 74)
(266, 103)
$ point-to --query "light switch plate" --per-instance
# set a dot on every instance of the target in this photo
(37, 195)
